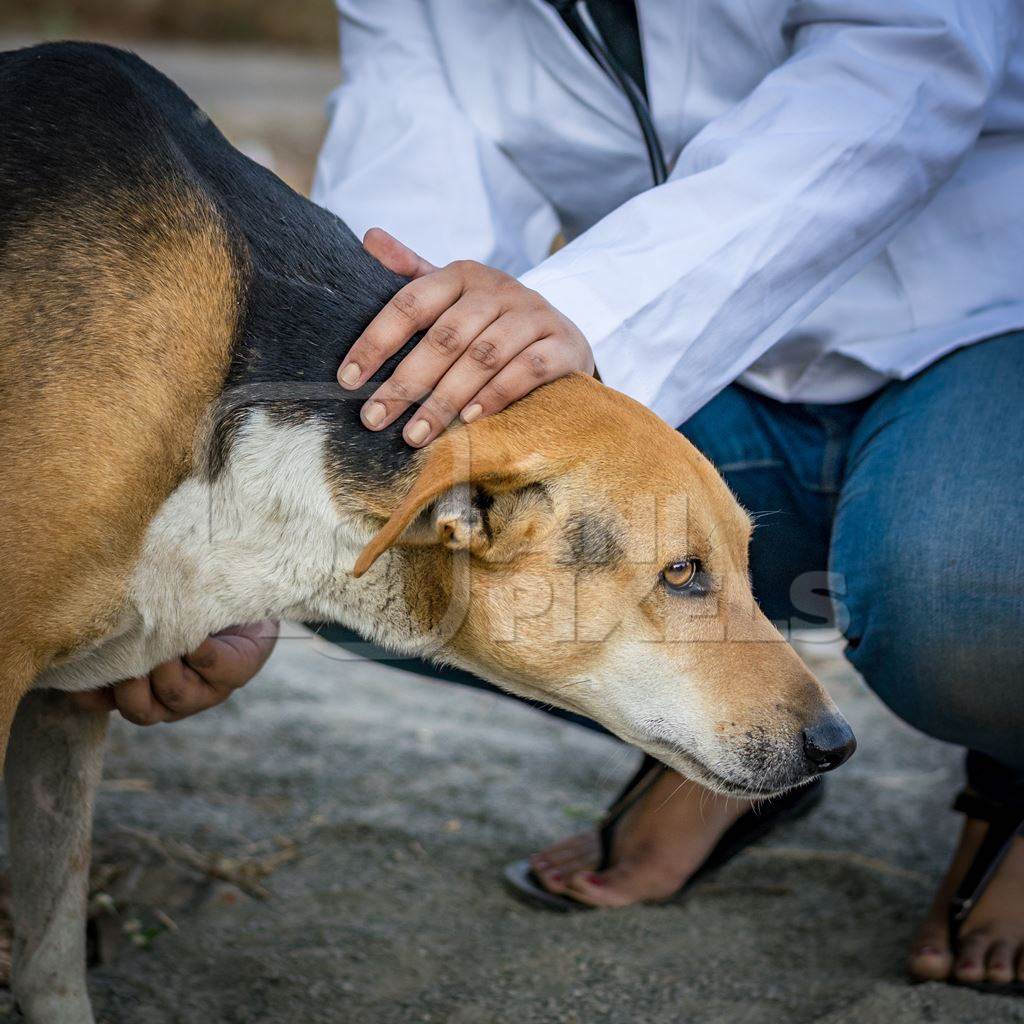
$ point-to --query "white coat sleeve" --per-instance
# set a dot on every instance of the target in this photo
(776, 203)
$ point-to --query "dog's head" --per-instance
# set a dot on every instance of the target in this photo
(577, 550)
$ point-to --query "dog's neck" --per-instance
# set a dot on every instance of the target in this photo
(291, 340)
(266, 537)
(274, 534)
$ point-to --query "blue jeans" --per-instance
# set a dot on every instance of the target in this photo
(898, 518)
(905, 508)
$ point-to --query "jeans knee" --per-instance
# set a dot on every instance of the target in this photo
(941, 661)
(899, 655)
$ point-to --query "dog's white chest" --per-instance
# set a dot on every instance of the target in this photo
(265, 539)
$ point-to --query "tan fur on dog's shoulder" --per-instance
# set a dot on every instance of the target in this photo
(115, 333)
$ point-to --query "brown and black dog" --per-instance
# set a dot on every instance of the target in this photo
(177, 457)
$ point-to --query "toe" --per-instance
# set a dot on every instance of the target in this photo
(558, 863)
(555, 877)
(930, 956)
(579, 848)
(969, 966)
(930, 963)
(622, 885)
(611, 888)
(562, 851)
(999, 963)
(551, 878)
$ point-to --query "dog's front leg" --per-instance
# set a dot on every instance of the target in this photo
(53, 769)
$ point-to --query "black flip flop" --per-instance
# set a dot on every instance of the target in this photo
(752, 826)
(1005, 823)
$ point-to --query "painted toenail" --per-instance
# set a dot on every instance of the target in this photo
(555, 876)
(594, 879)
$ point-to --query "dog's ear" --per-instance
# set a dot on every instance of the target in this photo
(460, 474)
(457, 521)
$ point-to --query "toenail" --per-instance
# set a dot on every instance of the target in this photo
(555, 876)
(927, 951)
(594, 879)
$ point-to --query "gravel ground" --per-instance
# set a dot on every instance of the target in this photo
(389, 803)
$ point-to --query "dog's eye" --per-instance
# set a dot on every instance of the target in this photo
(682, 576)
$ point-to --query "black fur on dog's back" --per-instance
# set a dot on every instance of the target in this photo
(83, 121)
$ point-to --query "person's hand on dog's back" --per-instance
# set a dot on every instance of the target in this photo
(196, 682)
(490, 340)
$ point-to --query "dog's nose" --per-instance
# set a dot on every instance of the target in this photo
(828, 743)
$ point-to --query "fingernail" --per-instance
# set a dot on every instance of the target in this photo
(471, 412)
(594, 879)
(416, 433)
(374, 413)
(351, 374)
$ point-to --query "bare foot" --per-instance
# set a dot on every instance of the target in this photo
(992, 938)
(659, 842)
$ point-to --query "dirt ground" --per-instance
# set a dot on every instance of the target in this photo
(327, 847)
(376, 809)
